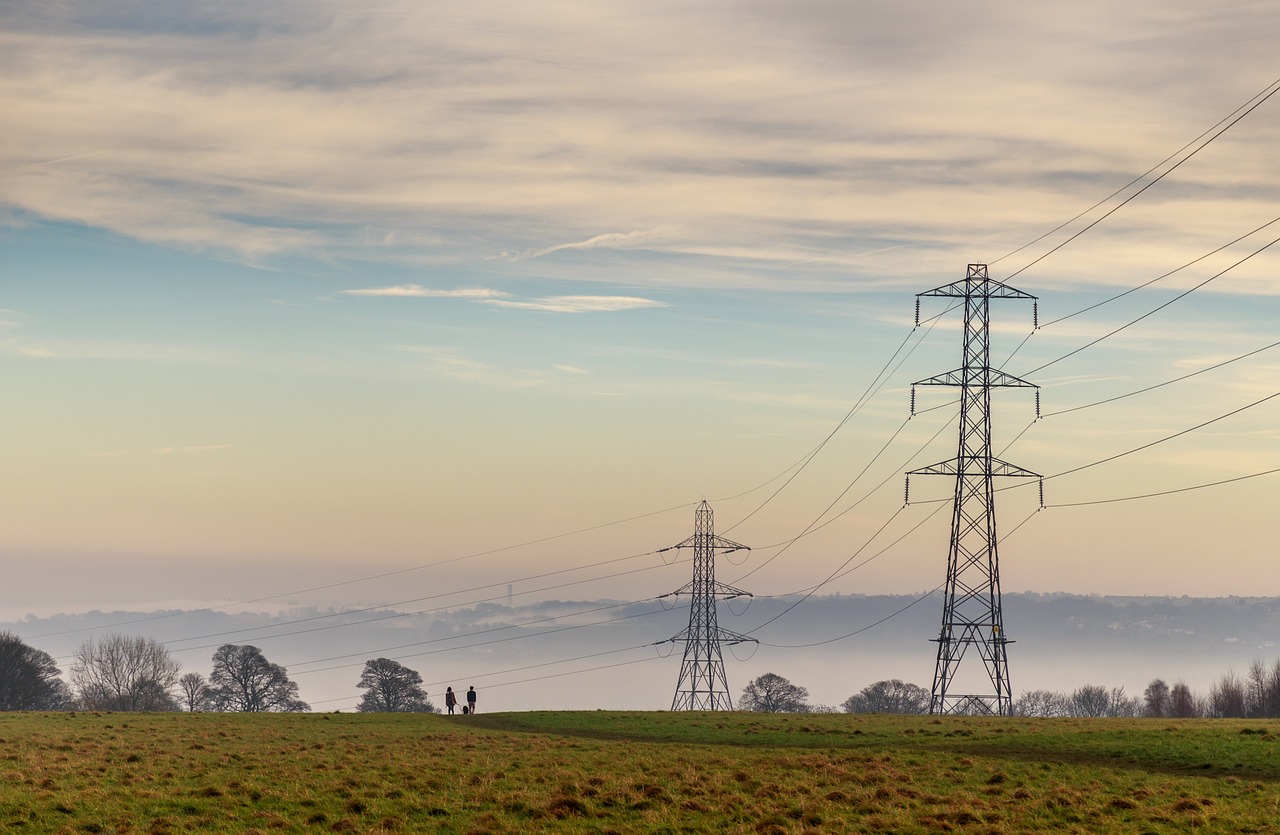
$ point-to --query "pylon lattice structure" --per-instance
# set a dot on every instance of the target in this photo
(971, 616)
(703, 684)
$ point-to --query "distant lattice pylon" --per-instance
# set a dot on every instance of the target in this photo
(971, 614)
(703, 684)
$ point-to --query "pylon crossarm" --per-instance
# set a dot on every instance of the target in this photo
(990, 288)
(727, 546)
(688, 543)
(986, 377)
(1004, 468)
(941, 468)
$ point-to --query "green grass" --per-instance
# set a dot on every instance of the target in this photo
(633, 772)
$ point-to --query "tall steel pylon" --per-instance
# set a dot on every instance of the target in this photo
(971, 615)
(702, 684)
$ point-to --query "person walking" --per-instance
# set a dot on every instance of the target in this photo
(471, 698)
(450, 699)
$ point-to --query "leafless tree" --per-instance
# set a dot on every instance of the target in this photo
(1227, 698)
(391, 687)
(888, 696)
(1090, 700)
(1156, 699)
(1041, 703)
(771, 693)
(122, 672)
(243, 680)
(1182, 702)
(29, 678)
(195, 692)
(1121, 706)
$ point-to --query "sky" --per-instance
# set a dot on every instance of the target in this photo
(322, 302)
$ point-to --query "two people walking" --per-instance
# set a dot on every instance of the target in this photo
(451, 700)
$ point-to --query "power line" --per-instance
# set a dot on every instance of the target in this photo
(1166, 438)
(1141, 176)
(481, 676)
(1167, 492)
(1204, 370)
(1158, 308)
(522, 625)
(494, 641)
(892, 615)
(1164, 276)
(1274, 87)
(871, 390)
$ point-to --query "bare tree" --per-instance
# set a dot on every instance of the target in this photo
(1041, 703)
(1227, 698)
(1182, 702)
(122, 672)
(195, 692)
(1090, 700)
(29, 678)
(243, 680)
(1271, 701)
(1156, 699)
(1123, 707)
(771, 693)
(391, 687)
(888, 696)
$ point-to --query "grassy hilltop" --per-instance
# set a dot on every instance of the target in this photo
(632, 772)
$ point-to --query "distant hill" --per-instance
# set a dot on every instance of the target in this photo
(516, 655)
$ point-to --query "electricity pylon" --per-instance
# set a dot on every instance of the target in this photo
(971, 615)
(702, 684)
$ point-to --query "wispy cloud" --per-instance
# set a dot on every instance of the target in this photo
(579, 304)
(417, 291)
(282, 128)
(609, 240)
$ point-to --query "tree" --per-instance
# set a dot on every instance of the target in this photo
(243, 680)
(889, 696)
(1182, 702)
(391, 687)
(195, 692)
(1090, 700)
(1123, 707)
(29, 678)
(1156, 699)
(122, 672)
(772, 693)
(1227, 698)
(1041, 703)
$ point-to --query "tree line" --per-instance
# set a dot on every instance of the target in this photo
(133, 673)
(1254, 695)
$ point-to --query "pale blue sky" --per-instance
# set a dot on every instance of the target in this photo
(357, 287)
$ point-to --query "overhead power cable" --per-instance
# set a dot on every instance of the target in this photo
(1167, 492)
(1158, 308)
(481, 676)
(872, 389)
(1146, 284)
(1269, 91)
(484, 631)
(502, 640)
(891, 615)
(1141, 176)
(1196, 373)
(393, 615)
(1179, 434)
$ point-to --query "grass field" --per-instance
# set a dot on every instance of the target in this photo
(633, 772)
